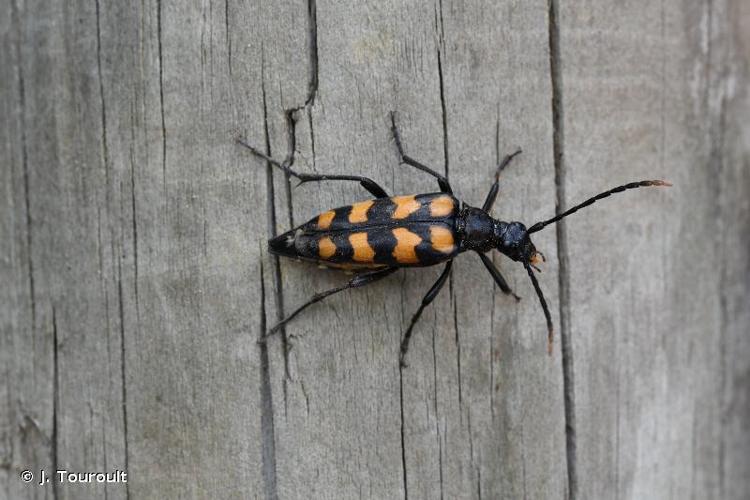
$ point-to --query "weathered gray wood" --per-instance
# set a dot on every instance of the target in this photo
(501, 432)
(658, 311)
(63, 406)
(130, 218)
(137, 278)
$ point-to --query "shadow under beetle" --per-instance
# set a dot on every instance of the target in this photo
(374, 238)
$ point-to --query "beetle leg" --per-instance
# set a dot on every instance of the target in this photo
(547, 315)
(367, 183)
(497, 276)
(445, 186)
(359, 280)
(425, 302)
(490, 200)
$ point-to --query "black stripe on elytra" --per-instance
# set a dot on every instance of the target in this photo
(383, 241)
(426, 253)
(381, 211)
(341, 218)
(344, 250)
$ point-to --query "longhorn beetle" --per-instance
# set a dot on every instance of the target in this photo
(374, 238)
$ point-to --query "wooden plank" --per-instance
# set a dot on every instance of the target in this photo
(130, 222)
(649, 90)
(501, 343)
(733, 196)
(498, 98)
(478, 412)
(65, 407)
(732, 144)
(194, 372)
(26, 350)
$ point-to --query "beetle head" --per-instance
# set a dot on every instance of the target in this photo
(514, 241)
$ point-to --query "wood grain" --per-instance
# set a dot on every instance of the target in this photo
(653, 334)
(137, 280)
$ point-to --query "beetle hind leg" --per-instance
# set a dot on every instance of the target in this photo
(370, 185)
(357, 281)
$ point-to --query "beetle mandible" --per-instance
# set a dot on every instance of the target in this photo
(376, 237)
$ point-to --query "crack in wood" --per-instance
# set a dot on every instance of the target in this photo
(25, 164)
(312, 16)
(103, 111)
(55, 402)
(135, 243)
(268, 428)
(562, 247)
(436, 409)
(124, 392)
(403, 432)
(161, 103)
(228, 40)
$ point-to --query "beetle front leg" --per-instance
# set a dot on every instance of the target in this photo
(492, 195)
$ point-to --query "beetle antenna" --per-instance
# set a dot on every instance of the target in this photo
(547, 315)
(540, 225)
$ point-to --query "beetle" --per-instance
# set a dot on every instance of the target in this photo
(376, 237)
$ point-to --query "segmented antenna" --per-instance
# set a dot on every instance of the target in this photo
(547, 315)
(540, 225)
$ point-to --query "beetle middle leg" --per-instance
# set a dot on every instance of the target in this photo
(445, 186)
(357, 281)
(425, 302)
(370, 185)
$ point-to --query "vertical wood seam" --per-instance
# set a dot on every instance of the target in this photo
(228, 40)
(268, 429)
(103, 111)
(25, 163)
(404, 477)
(562, 248)
(312, 18)
(55, 403)
(124, 392)
(161, 101)
(716, 136)
(440, 29)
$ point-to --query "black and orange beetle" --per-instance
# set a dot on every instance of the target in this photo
(374, 238)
